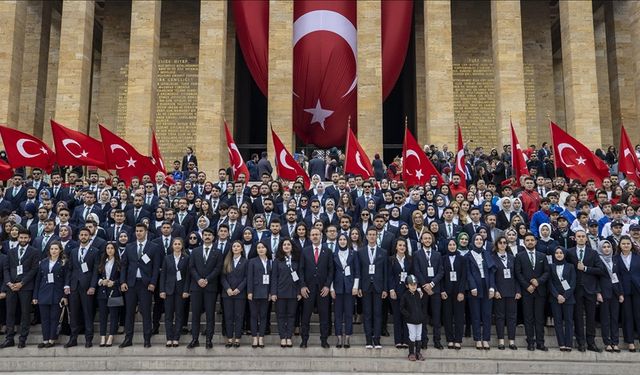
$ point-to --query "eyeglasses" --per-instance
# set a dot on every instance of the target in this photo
(364, 215)
(502, 242)
(193, 238)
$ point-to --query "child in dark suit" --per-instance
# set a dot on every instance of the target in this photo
(412, 310)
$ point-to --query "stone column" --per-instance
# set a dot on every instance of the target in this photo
(633, 129)
(12, 19)
(579, 72)
(74, 65)
(508, 66)
(369, 69)
(280, 81)
(210, 142)
(230, 73)
(143, 73)
(421, 74)
(438, 63)
(602, 74)
(52, 75)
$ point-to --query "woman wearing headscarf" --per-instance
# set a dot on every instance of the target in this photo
(481, 280)
(610, 298)
(454, 287)
(562, 287)
(518, 211)
(512, 241)
(546, 244)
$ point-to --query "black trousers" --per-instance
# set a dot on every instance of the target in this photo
(138, 296)
(323, 312)
(453, 318)
(234, 316)
(585, 306)
(108, 315)
(506, 311)
(630, 315)
(49, 315)
(434, 308)
(173, 316)
(534, 316)
(372, 315)
(23, 299)
(158, 308)
(81, 312)
(286, 314)
(202, 300)
(609, 321)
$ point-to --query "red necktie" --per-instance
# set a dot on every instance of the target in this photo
(316, 254)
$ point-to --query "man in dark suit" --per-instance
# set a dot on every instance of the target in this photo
(81, 212)
(141, 269)
(57, 191)
(78, 288)
(205, 265)
(138, 212)
(48, 235)
(19, 278)
(476, 221)
(150, 198)
(189, 157)
(165, 238)
(5, 205)
(384, 239)
(184, 218)
(17, 192)
(373, 287)
(238, 197)
(317, 165)
(589, 268)
(316, 275)
(119, 226)
(532, 272)
(448, 229)
(30, 197)
(289, 227)
(362, 201)
(264, 165)
(429, 270)
(274, 236)
(37, 181)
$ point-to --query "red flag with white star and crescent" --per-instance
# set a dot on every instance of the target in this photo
(628, 163)
(460, 161)
(76, 148)
(417, 169)
(287, 167)
(156, 156)
(25, 150)
(237, 163)
(124, 158)
(517, 157)
(575, 159)
(356, 160)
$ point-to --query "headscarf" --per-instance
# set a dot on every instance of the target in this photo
(540, 231)
(501, 207)
(338, 242)
(460, 235)
(556, 261)
(472, 243)
(606, 259)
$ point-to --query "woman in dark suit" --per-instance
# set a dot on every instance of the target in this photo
(629, 265)
(48, 293)
(344, 288)
(234, 292)
(610, 298)
(106, 280)
(258, 287)
(454, 285)
(481, 279)
(507, 292)
(400, 265)
(66, 234)
(285, 288)
(174, 290)
(562, 286)
(301, 236)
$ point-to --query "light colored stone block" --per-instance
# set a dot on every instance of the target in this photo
(12, 25)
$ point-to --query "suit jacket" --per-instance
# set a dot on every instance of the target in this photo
(102, 291)
(76, 278)
(112, 236)
(317, 166)
(15, 200)
(169, 275)
(254, 278)
(343, 284)
(318, 275)
(49, 293)
(594, 269)
(30, 261)
(185, 161)
(282, 284)
(453, 288)
(474, 275)
(608, 288)
(629, 278)
(421, 268)
(442, 231)
(237, 279)
(470, 228)
(149, 271)
(395, 272)
(130, 218)
(525, 272)
(38, 244)
(159, 241)
(78, 217)
(507, 287)
(209, 270)
(556, 288)
(61, 195)
(5, 205)
(377, 282)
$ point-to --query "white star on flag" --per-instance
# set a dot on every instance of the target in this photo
(44, 150)
(419, 173)
(84, 153)
(319, 114)
(131, 162)
(581, 160)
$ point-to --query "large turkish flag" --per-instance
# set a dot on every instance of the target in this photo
(25, 150)
(575, 159)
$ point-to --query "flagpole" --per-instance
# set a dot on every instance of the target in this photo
(553, 142)
(346, 147)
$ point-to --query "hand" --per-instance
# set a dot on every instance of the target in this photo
(354, 292)
(235, 292)
(518, 296)
(444, 295)
(599, 297)
(3, 295)
(531, 289)
(561, 299)
(324, 292)
(151, 288)
(163, 295)
(18, 286)
(497, 295)
(392, 294)
(298, 297)
(64, 301)
(202, 283)
(250, 296)
(460, 297)
(360, 293)
(581, 266)
(124, 287)
(474, 292)
(427, 288)
(305, 292)
(491, 294)
(274, 298)
(333, 294)
(67, 290)
(621, 299)
(384, 295)
(110, 283)
(91, 291)
(534, 282)
(34, 301)
(185, 295)
(229, 292)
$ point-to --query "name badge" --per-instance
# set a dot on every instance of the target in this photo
(507, 273)
(549, 259)
(294, 276)
(565, 285)
(403, 276)
(265, 279)
(145, 258)
(614, 278)
(178, 276)
(19, 270)
(49, 277)
(372, 269)
(453, 276)
(84, 267)
(347, 271)
(430, 272)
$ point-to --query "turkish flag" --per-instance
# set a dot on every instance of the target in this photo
(417, 169)
(124, 158)
(396, 29)
(628, 163)
(156, 156)
(575, 159)
(252, 29)
(288, 168)
(324, 70)
(356, 160)
(25, 150)
(237, 163)
(75, 148)
(461, 166)
(517, 157)
(6, 172)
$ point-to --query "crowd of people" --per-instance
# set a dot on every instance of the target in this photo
(477, 252)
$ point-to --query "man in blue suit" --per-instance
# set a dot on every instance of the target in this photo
(373, 287)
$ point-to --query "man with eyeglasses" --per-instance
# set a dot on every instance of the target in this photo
(150, 197)
(363, 201)
(62, 219)
(314, 215)
(36, 181)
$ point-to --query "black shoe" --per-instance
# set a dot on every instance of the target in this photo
(88, 344)
(49, 345)
(513, 347)
(125, 343)
(594, 348)
(193, 344)
(267, 331)
(147, 344)
(347, 343)
(582, 348)
(155, 330)
(438, 346)
(541, 347)
(500, 346)
(208, 344)
(324, 344)
(22, 344)
(531, 347)
(71, 343)
(385, 332)
(7, 343)
(303, 344)
(228, 345)
(424, 345)
(42, 345)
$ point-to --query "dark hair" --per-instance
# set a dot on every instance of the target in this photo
(295, 250)
(104, 257)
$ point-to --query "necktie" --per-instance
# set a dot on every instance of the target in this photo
(140, 250)
(20, 253)
(331, 246)
(15, 191)
(232, 227)
(316, 254)
(83, 252)
(45, 241)
(181, 217)
(274, 243)
(429, 258)
(148, 199)
(55, 191)
(214, 204)
(372, 254)
(379, 238)
(291, 229)
(86, 212)
(206, 253)
(503, 257)
(581, 254)
(137, 213)
(531, 258)
(166, 243)
(450, 231)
